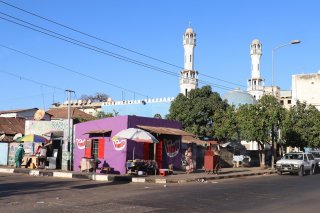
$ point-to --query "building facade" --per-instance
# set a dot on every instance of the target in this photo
(188, 76)
(256, 82)
(305, 88)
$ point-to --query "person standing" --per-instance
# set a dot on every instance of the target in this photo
(43, 156)
(19, 155)
(188, 156)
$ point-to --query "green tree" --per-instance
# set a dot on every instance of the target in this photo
(302, 126)
(196, 112)
(226, 125)
(261, 123)
(102, 114)
(98, 97)
(157, 116)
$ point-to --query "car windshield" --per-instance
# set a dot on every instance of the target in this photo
(293, 156)
(316, 154)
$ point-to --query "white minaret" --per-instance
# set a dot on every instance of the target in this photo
(188, 76)
(255, 83)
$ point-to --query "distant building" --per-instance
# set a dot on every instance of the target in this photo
(188, 76)
(256, 82)
(145, 108)
(75, 113)
(28, 114)
(306, 88)
(238, 97)
(285, 99)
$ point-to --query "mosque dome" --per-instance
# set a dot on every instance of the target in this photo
(255, 41)
(238, 97)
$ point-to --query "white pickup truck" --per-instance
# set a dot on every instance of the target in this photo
(296, 162)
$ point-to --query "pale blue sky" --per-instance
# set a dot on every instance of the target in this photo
(224, 30)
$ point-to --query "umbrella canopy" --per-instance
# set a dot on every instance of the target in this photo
(135, 134)
(33, 138)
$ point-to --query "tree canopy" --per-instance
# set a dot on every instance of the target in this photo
(197, 111)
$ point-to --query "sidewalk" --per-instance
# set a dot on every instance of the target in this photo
(177, 177)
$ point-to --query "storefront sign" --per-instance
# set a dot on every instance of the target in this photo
(172, 147)
(81, 143)
(119, 143)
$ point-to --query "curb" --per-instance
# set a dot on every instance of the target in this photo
(125, 178)
(199, 179)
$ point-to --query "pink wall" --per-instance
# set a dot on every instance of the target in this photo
(117, 158)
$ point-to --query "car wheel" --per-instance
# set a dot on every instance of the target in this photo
(279, 172)
(301, 171)
(312, 170)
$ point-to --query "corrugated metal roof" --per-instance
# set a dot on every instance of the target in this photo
(63, 113)
(16, 110)
(164, 130)
(190, 139)
(10, 127)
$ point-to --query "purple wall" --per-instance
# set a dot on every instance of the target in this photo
(117, 158)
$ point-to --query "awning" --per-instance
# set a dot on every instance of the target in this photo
(54, 134)
(164, 130)
(190, 139)
(98, 131)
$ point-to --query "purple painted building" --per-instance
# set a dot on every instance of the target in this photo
(93, 138)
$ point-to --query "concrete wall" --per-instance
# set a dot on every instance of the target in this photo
(305, 88)
(4, 153)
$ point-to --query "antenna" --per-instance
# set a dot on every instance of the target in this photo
(2, 137)
(18, 135)
(39, 115)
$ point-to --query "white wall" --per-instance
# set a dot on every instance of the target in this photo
(306, 88)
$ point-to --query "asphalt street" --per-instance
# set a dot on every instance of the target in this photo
(286, 193)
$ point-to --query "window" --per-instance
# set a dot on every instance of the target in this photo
(289, 101)
(190, 58)
(281, 102)
(94, 148)
(310, 157)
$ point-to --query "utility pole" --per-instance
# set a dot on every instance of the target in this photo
(67, 150)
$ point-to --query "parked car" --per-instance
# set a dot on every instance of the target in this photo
(316, 155)
(296, 163)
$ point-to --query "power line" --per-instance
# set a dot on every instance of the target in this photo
(111, 43)
(91, 36)
(30, 80)
(71, 70)
(99, 50)
(85, 45)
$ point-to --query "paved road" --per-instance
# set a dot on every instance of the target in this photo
(22, 193)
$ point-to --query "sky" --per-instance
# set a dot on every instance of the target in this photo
(36, 69)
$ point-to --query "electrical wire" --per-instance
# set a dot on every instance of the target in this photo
(71, 70)
(111, 43)
(30, 80)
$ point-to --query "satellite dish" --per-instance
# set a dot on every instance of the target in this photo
(39, 115)
(18, 135)
(2, 137)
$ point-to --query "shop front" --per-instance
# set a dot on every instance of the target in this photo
(119, 156)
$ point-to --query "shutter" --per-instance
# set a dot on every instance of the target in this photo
(146, 151)
(101, 148)
(159, 153)
(88, 149)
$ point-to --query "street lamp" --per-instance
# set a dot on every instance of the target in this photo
(273, 51)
